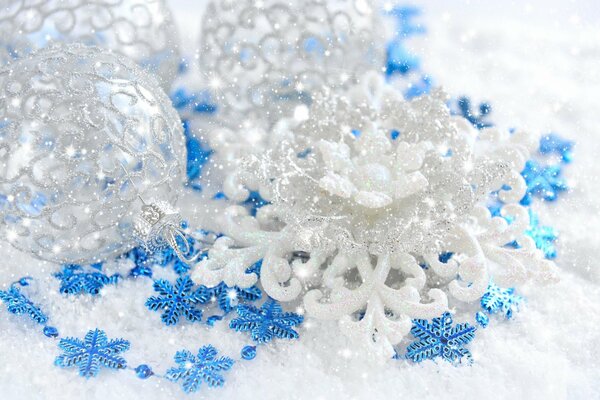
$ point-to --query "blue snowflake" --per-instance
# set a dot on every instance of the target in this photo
(228, 297)
(254, 202)
(439, 338)
(499, 300)
(177, 300)
(477, 119)
(266, 322)
(482, 319)
(17, 303)
(545, 182)
(142, 261)
(543, 236)
(197, 156)
(554, 144)
(74, 281)
(93, 352)
(419, 88)
(199, 102)
(399, 60)
(193, 370)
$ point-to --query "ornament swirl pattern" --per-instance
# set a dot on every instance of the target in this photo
(85, 137)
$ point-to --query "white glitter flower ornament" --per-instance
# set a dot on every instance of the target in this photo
(369, 189)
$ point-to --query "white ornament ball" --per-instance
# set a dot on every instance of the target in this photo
(142, 30)
(85, 136)
(263, 56)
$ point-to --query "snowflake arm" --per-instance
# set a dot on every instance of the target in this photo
(74, 281)
(544, 182)
(228, 297)
(552, 143)
(17, 303)
(543, 236)
(92, 353)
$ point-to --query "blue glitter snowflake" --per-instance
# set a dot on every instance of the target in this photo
(419, 88)
(399, 60)
(482, 319)
(439, 338)
(543, 236)
(199, 102)
(142, 261)
(477, 119)
(254, 202)
(93, 352)
(204, 367)
(17, 303)
(544, 182)
(554, 144)
(197, 156)
(178, 300)
(229, 297)
(499, 300)
(266, 322)
(75, 281)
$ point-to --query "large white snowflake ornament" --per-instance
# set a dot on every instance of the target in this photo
(372, 189)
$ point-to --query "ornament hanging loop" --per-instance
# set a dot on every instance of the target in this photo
(159, 226)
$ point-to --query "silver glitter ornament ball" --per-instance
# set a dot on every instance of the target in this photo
(86, 138)
(142, 30)
(271, 54)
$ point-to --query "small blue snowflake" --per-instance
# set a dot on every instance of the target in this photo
(477, 119)
(499, 300)
(439, 338)
(554, 144)
(228, 297)
(399, 60)
(419, 88)
(74, 281)
(266, 322)
(142, 261)
(254, 202)
(17, 303)
(193, 370)
(545, 182)
(197, 155)
(93, 352)
(543, 236)
(199, 102)
(482, 319)
(177, 300)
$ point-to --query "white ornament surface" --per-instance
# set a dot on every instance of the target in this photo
(274, 53)
(371, 211)
(142, 30)
(85, 135)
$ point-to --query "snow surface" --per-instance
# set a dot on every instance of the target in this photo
(538, 63)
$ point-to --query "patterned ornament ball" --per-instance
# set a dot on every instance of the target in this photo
(86, 138)
(264, 56)
(142, 30)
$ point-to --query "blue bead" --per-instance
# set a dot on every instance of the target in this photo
(24, 281)
(143, 371)
(50, 331)
(248, 352)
